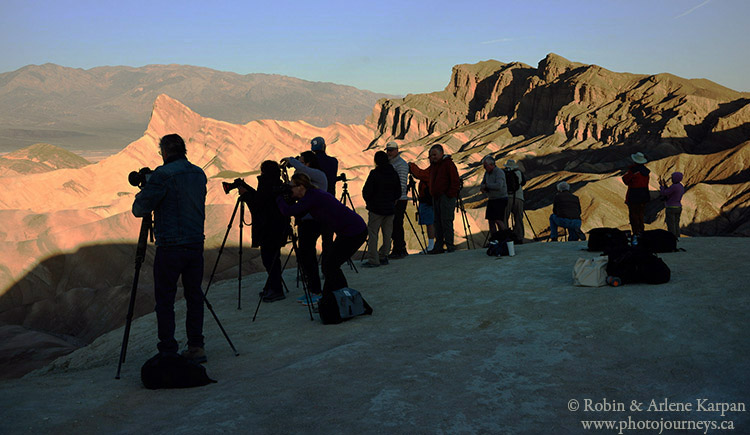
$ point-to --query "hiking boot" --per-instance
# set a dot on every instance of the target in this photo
(273, 297)
(449, 250)
(384, 261)
(195, 354)
(368, 264)
(397, 255)
(435, 251)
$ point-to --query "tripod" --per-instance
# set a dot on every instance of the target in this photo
(465, 219)
(241, 207)
(140, 255)
(299, 271)
(412, 187)
(344, 196)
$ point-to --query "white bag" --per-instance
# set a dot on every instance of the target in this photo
(591, 272)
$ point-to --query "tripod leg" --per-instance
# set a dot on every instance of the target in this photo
(223, 243)
(530, 226)
(239, 266)
(414, 230)
(140, 255)
(213, 313)
(128, 320)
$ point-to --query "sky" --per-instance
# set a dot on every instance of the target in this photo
(394, 47)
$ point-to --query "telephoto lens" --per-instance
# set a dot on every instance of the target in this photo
(139, 178)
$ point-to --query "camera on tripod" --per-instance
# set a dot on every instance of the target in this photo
(238, 182)
(140, 177)
(341, 177)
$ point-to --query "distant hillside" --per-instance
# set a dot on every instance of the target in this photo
(109, 107)
(38, 158)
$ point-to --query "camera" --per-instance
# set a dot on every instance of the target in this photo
(238, 182)
(140, 177)
(341, 177)
(285, 163)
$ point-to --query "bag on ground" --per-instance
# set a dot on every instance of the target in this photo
(590, 272)
(657, 241)
(343, 304)
(635, 265)
(604, 239)
(173, 371)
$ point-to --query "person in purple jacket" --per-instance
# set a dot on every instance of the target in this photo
(350, 229)
(673, 196)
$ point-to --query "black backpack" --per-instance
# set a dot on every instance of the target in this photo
(343, 304)
(657, 241)
(512, 181)
(172, 370)
(606, 239)
(635, 265)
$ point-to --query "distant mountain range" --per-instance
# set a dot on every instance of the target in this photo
(109, 107)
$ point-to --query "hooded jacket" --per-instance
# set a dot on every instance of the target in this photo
(381, 190)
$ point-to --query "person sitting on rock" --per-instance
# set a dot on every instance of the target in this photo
(566, 213)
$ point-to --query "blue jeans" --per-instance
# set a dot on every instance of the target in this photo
(572, 224)
(169, 263)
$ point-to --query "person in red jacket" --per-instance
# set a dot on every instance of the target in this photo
(444, 184)
(636, 178)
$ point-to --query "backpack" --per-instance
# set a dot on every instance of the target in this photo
(343, 304)
(497, 248)
(634, 265)
(511, 180)
(606, 239)
(172, 370)
(657, 241)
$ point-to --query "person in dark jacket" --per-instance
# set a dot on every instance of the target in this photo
(566, 213)
(348, 226)
(636, 178)
(330, 166)
(270, 228)
(176, 193)
(380, 192)
(444, 185)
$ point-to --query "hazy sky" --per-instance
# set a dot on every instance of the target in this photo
(395, 47)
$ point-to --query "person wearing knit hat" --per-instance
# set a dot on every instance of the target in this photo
(636, 178)
(673, 202)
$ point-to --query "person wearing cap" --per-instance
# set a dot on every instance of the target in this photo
(444, 185)
(673, 202)
(494, 186)
(330, 167)
(515, 200)
(636, 178)
(402, 169)
(566, 213)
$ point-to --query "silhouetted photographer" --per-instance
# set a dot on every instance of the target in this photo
(270, 228)
(176, 194)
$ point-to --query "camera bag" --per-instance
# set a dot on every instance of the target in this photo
(605, 239)
(658, 241)
(343, 304)
(172, 370)
(635, 265)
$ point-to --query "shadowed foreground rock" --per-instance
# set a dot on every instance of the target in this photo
(481, 345)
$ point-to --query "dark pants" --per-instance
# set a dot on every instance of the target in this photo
(326, 235)
(399, 242)
(169, 263)
(445, 211)
(673, 220)
(636, 213)
(307, 259)
(271, 257)
(341, 250)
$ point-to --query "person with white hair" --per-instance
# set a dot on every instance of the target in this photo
(493, 184)
(566, 213)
